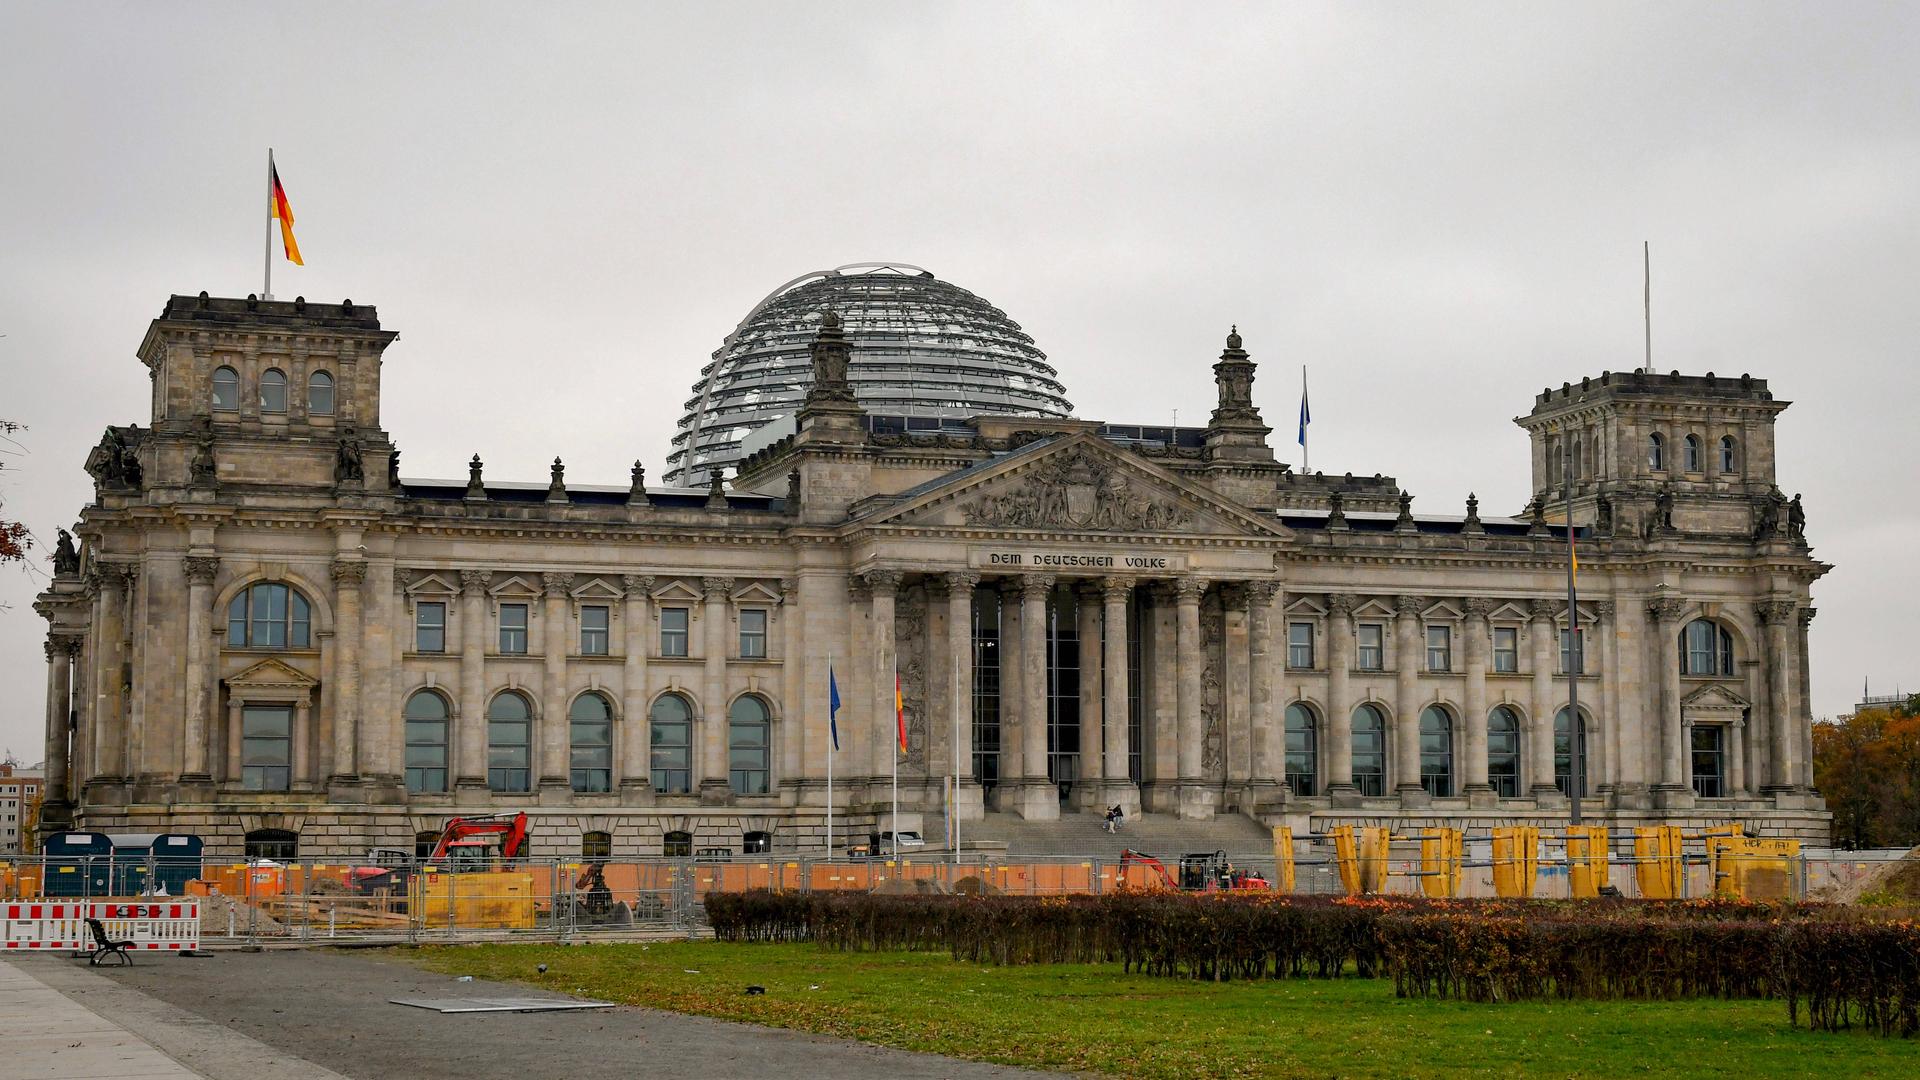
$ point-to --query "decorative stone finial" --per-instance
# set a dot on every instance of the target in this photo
(716, 498)
(637, 490)
(793, 491)
(1233, 337)
(1404, 523)
(557, 488)
(1336, 510)
(475, 489)
(1472, 524)
(831, 355)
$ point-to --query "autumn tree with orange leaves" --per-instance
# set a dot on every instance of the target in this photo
(1868, 767)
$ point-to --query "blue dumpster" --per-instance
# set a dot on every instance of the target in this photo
(78, 864)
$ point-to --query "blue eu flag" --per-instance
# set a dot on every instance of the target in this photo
(833, 707)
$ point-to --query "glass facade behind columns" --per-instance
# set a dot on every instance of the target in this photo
(921, 348)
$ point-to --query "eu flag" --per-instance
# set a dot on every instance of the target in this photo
(833, 707)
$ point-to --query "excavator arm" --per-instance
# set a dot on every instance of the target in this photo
(1129, 856)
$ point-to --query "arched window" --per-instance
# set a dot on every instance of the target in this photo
(590, 736)
(509, 743)
(1303, 750)
(1656, 453)
(671, 730)
(1370, 750)
(276, 844)
(1563, 755)
(423, 844)
(269, 615)
(1690, 454)
(756, 843)
(749, 746)
(1706, 648)
(320, 394)
(1503, 751)
(426, 716)
(596, 845)
(1573, 460)
(226, 388)
(273, 390)
(1436, 750)
(677, 845)
(1726, 453)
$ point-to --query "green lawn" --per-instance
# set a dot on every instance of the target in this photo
(1088, 1018)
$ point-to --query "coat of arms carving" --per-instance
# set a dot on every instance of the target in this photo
(1078, 490)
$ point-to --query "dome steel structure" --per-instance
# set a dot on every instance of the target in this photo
(922, 347)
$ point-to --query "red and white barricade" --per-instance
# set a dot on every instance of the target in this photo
(43, 925)
(163, 925)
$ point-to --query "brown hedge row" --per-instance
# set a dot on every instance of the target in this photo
(1844, 970)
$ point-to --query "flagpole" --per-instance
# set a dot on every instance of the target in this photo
(267, 292)
(1306, 456)
(1646, 257)
(897, 719)
(829, 755)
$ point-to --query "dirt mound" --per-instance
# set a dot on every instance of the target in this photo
(975, 886)
(216, 909)
(1898, 880)
(911, 887)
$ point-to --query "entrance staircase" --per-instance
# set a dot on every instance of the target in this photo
(1164, 836)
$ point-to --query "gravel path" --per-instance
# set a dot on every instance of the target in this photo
(332, 1008)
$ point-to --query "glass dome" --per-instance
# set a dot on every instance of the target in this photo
(921, 347)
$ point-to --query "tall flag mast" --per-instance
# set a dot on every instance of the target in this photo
(278, 210)
(1306, 417)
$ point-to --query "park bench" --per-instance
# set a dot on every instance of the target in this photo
(105, 947)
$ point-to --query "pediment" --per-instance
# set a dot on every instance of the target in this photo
(1509, 613)
(1373, 609)
(1306, 605)
(596, 589)
(271, 674)
(1444, 611)
(755, 593)
(1074, 484)
(431, 584)
(514, 585)
(1712, 697)
(676, 591)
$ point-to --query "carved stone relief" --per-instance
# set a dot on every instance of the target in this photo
(1079, 489)
(910, 644)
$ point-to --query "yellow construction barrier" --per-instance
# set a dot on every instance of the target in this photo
(1362, 858)
(1587, 871)
(1440, 863)
(1283, 858)
(498, 900)
(1659, 866)
(1753, 868)
(1516, 860)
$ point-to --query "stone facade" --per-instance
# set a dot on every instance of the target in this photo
(264, 630)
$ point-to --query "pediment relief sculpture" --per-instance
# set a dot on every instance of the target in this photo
(1078, 489)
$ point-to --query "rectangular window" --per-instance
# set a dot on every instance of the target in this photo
(430, 628)
(266, 747)
(513, 629)
(1373, 650)
(753, 634)
(1506, 650)
(1572, 653)
(673, 631)
(1300, 646)
(1709, 752)
(1439, 648)
(593, 630)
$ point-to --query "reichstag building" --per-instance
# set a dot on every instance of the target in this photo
(263, 632)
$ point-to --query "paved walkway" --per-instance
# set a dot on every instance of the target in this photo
(45, 1034)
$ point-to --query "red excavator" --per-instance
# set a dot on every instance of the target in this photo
(466, 845)
(1207, 871)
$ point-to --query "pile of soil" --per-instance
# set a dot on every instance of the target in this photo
(1898, 879)
(214, 910)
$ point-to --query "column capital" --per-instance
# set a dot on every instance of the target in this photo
(884, 579)
(201, 568)
(556, 585)
(1234, 596)
(475, 582)
(1477, 607)
(1664, 608)
(1775, 612)
(1262, 592)
(789, 590)
(1189, 589)
(1116, 589)
(348, 571)
(716, 588)
(857, 587)
(1340, 604)
(1806, 616)
(1603, 610)
(1542, 610)
(1408, 607)
(1089, 589)
(1036, 586)
(962, 580)
(637, 585)
(59, 645)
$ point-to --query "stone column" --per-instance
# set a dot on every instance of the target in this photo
(1673, 790)
(1803, 714)
(234, 706)
(713, 786)
(1603, 745)
(1118, 786)
(1196, 802)
(636, 750)
(347, 576)
(1089, 787)
(1339, 719)
(960, 586)
(111, 651)
(1011, 760)
(1782, 768)
(1406, 701)
(1268, 629)
(883, 737)
(470, 713)
(1478, 791)
(555, 775)
(382, 731)
(792, 728)
(200, 570)
(59, 726)
(1236, 698)
(1160, 735)
(1038, 798)
(1542, 706)
(853, 763)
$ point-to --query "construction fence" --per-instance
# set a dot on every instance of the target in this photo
(263, 902)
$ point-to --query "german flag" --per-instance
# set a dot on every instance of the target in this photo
(900, 712)
(278, 210)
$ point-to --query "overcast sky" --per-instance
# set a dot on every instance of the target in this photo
(564, 208)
